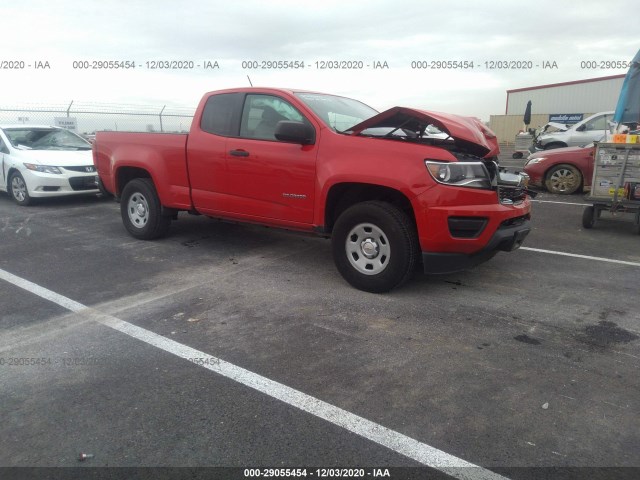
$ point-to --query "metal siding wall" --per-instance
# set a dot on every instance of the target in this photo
(577, 98)
(586, 98)
(506, 127)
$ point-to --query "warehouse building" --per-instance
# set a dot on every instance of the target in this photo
(567, 102)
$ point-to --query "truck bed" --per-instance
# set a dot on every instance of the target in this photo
(165, 152)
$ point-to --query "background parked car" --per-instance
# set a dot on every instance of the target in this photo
(562, 170)
(591, 129)
(44, 161)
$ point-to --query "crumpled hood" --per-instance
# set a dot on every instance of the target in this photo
(468, 132)
(559, 126)
(57, 158)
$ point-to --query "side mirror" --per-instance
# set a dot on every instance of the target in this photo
(295, 132)
(581, 128)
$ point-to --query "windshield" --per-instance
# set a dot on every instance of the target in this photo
(45, 139)
(340, 113)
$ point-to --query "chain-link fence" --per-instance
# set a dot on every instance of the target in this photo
(87, 118)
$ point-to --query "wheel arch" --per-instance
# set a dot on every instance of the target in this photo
(555, 144)
(8, 176)
(125, 174)
(341, 196)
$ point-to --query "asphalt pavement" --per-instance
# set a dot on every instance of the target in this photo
(227, 345)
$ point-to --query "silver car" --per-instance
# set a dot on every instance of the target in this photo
(591, 129)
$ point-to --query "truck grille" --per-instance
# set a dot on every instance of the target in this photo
(511, 195)
(84, 183)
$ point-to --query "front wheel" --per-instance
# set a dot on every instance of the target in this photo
(563, 179)
(18, 189)
(375, 246)
(141, 210)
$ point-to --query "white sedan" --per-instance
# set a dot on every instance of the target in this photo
(42, 161)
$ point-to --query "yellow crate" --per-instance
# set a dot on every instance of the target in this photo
(632, 138)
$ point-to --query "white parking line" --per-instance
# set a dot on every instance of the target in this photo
(561, 203)
(402, 444)
(587, 257)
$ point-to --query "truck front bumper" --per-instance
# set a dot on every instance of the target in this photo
(507, 237)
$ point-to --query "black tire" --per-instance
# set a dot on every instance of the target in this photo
(517, 155)
(375, 246)
(563, 179)
(589, 217)
(141, 210)
(18, 189)
(103, 191)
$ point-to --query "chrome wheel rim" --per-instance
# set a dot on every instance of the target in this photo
(138, 210)
(563, 180)
(18, 188)
(367, 248)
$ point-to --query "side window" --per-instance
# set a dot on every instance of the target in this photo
(262, 113)
(221, 114)
(3, 147)
(598, 123)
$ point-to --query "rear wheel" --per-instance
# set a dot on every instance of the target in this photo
(563, 179)
(141, 210)
(18, 189)
(375, 246)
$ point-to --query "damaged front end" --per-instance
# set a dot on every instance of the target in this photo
(465, 135)
(474, 146)
(512, 187)
(473, 172)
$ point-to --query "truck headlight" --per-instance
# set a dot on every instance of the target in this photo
(460, 174)
(43, 168)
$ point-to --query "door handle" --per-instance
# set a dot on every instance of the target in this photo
(239, 153)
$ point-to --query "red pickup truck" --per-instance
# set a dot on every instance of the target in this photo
(386, 189)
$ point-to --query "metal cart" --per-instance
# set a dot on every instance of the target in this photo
(616, 183)
(522, 144)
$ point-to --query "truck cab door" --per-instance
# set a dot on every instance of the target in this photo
(239, 169)
(207, 151)
(267, 178)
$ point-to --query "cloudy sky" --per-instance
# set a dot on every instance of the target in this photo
(489, 34)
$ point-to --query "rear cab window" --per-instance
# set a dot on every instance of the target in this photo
(221, 114)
